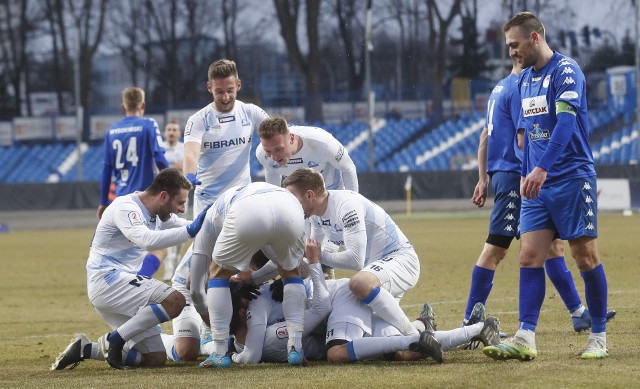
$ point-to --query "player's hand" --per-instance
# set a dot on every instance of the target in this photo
(244, 276)
(532, 184)
(196, 224)
(312, 251)
(101, 209)
(480, 193)
(277, 290)
(192, 179)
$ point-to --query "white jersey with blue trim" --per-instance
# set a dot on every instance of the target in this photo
(359, 222)
(321, 152)
(123, 236)
(225, 146)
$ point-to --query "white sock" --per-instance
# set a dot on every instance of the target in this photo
(146, 318)
(578, 312)
(458, 336)
(387, 308)
(602, 336)
(418, 325)
(293, 306)
(220, 312)
(95, 353)
(527, 335)
(167, 341)
(370, 347)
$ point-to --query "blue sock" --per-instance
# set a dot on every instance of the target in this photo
(561, 278)
(595, 290)
(115, 338)
(532, 289)
(481, 284)
(150, 265)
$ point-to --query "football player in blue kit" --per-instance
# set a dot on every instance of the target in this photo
(499, 161)
(558, 184)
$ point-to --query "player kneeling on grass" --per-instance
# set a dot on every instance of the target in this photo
(133, 305)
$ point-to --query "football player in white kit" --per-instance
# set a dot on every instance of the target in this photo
(133, 305)
(285, 149)
(243, 220)
(385, 261)
(260, 333)
(217, 139)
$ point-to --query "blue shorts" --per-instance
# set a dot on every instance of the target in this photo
(505, 216)
(570, 208)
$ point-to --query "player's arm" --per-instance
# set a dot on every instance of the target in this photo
(564, 129)
(320, 306)
(193, 132)
(340, 159)
(256, 329)
(129, 221)
(157, 146)
(105, 179)
(355, 239)
(480, 192)
(191, 156)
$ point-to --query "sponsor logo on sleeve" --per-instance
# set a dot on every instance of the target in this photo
(569, 81)
(569, 95)
(497, 89)
(567, 70)
(350, 219)
(533, 106)
(326, 222)
(340, 154)
(294, 161)
(545, 83)
(282, 333)
(135, 219)
(187, 128)
(312, 164)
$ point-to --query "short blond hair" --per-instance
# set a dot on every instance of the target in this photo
(272, 126)
(221, 69)
(132, 98)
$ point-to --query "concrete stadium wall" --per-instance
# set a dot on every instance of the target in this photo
(426, 185)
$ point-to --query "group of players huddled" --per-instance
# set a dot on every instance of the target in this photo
(256, 285)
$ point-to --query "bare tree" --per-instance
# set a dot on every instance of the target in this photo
(15, 27)
(288, 12)
(89, 19)
(62, 64)
(437, 46)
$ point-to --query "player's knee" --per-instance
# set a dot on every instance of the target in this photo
(362, 283)
(338, 354)
(187, 349)
(174, 304)
(157, 359)
(556, 249)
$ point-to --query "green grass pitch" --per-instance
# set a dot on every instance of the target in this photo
(43, 304)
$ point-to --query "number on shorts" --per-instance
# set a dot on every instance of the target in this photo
(136, 281)
(329, 333)
(375, 267)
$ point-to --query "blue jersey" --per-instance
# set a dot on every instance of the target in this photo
(503, 111)
(561, 79)
(129, 148)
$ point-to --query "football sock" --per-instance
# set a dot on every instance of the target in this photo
(595, 291)
(146, 318)
(150, 265)
(532, 290)
(167, 341)
(366, 348)
(220, 313)
(481, 284)
(293, 306)
(527, 335)
(578, 312)
(131, 357)
(92, 351)
(458, 336)
(387, 308)
(418, 325)
(561, 278)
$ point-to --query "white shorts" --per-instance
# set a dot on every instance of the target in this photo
(349, 317)
(187, 324)
(124, 297)
(398, 272)
(267, 219)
